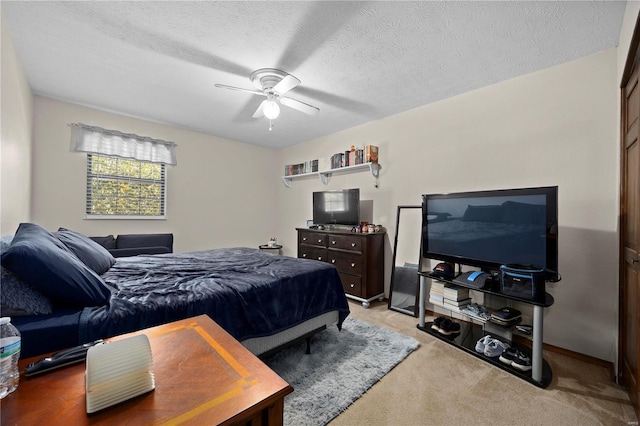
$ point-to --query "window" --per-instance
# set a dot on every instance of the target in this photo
(122, 187)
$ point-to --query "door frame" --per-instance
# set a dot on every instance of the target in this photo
(632, 61)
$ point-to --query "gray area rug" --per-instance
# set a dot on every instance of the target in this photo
(341, 367)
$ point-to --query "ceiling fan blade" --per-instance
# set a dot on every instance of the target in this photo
(286, 84)
(224, 86)
(260, 111)
(300, 106)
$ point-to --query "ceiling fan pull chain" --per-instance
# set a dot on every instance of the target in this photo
(270, 124)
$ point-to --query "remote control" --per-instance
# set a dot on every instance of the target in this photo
(60, 359)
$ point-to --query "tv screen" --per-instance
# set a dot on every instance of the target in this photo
(341, 207)
(487, 229)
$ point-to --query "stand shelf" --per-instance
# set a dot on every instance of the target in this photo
(466, 340)
(325, 176)
(540, 374)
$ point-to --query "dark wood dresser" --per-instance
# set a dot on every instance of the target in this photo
(359, 259)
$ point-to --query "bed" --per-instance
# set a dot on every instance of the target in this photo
(262, 299)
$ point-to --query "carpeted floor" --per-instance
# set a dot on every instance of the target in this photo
(439, 384)
(341, 367)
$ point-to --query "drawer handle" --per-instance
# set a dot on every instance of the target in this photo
(304, 238)
(333, 261)
(353, 265)
(352, 285)
(333, 242)
(353, 244)
(319, 240)
(304, 255)
(319, 257)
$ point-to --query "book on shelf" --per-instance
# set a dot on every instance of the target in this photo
(301, 168)
(337, 160)
(437, 290)
(451, 308)
(438, 284)
(354, 156)
(324, 164)
(472, 315)
(457, 303)
(456, 293)
(436, 293)
(477, 312)
(438, 300)
(371, 154)
(437, 287)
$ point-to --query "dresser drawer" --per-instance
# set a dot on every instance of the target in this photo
(312, 238)
(314, 253)
(345, 242)
(352, 284)
(346, 262)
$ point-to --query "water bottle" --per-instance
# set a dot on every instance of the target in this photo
(9, 355)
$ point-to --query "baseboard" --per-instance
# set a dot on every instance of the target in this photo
(571, 354)
(582, 357)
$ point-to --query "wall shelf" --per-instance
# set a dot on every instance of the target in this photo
(325, 176)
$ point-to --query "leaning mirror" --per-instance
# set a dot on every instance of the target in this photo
(406, 260)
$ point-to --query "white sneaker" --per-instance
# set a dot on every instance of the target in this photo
(482, 343)
(495, 348)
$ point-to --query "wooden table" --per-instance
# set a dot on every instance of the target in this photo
(203, 376)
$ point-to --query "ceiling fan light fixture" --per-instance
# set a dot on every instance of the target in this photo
(271, 109)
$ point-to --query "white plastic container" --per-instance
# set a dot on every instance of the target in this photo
(9, 356)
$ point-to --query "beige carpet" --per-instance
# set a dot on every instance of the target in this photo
(439, 384)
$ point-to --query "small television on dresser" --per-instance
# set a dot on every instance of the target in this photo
(337, 207)
(487, 229)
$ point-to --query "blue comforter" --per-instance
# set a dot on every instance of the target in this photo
(247, 292)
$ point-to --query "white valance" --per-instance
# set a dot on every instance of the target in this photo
(96, 140)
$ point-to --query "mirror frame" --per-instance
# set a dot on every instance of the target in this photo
(393, 265)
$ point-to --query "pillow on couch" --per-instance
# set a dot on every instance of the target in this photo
(18, 298)
(108, 242)
(45, 263)
(88, 251)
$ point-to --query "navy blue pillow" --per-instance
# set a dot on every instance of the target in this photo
(46, 264)
(88, 251)
(107, 242)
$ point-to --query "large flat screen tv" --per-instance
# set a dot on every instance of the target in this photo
(340, 207)
(487, 229)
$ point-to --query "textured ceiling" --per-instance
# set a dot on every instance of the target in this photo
(358, 61)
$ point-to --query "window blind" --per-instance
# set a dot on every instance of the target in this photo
(96, 140)
(118, 187)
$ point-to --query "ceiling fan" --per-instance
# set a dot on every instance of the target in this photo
(272, 84)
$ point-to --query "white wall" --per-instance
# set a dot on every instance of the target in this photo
(15, 136)
(553, 127)
(217, 194)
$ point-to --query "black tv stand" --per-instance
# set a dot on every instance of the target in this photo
(540, 374)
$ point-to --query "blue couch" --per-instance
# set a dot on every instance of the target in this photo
(135, 244)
